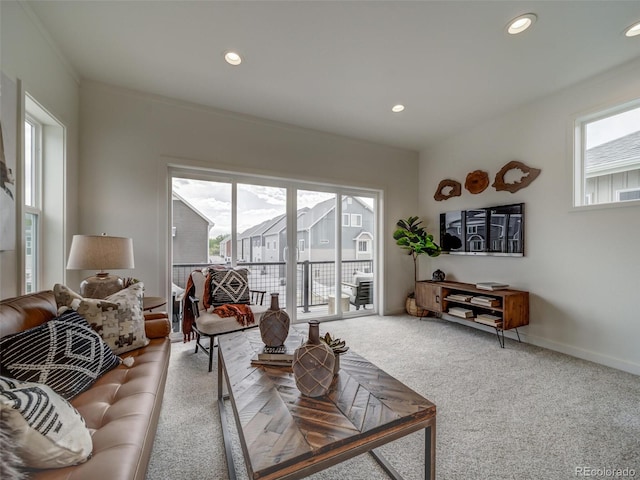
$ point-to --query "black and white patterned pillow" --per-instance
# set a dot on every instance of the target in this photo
(64, 353)
(44, 428)
(229, 286)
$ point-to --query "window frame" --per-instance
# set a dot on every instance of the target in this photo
(581, 200)
(51, 192)
(32, 207)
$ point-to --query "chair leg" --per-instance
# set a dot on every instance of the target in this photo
(210, 353)
(197, 342)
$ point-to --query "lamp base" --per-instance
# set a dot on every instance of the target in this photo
(100, 286)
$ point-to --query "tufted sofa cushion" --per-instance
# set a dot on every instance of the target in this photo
(121, 409)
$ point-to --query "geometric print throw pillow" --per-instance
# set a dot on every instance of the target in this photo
(45, 430)
(229, 286)
(64, 353)
(118, 319)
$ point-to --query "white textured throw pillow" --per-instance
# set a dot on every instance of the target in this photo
(118, 319)
(46, 430)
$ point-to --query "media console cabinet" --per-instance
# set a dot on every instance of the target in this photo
(503, 309)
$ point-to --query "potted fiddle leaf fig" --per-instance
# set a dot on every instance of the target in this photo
(412, 237)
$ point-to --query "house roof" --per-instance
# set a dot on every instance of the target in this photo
(320, 210)
(307, 218)
(621, 153)
(180, 198)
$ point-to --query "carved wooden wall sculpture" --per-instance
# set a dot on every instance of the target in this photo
(456, 190)
(529, 175)
(477, 181)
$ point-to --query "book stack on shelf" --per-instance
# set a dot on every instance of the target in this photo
(491, 285)
(458, 297)
(483, 301)
(460, 312)
(487, 319)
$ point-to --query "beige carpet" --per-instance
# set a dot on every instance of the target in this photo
(521, 412)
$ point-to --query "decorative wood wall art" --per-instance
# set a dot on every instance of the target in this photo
(529, 175)
(477, 181)
(453, 188)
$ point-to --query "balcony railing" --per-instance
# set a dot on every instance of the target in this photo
(315, 280)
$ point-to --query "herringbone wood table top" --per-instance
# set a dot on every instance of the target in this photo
(285, 434)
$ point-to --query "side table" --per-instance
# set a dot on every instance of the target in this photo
(149, 303)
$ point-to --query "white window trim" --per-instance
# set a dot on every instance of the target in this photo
(578, 140)
(356, 220)
(346, 220)
(52, 254)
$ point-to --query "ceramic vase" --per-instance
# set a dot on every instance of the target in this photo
(313, 364)
(274, 324)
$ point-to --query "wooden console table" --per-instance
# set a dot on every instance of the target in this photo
(286, 436)
(504, 309)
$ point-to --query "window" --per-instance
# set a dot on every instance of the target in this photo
(607, 156)
(345, 219)
(32, 203)
(43, 209)
(363, 246)
(356, 220)
(628, 194)
(301, 245)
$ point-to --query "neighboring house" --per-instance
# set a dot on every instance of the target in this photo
(275, 236)
(316, 231)
(612, 170)
(190, 232)
(266, 241)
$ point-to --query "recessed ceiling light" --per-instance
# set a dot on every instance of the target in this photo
(521, 23)
(232, 58)
(397, 108)
(633, 30)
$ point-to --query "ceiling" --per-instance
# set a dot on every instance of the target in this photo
(339, 66)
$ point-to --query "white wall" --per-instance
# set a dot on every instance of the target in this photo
(129, 139)
(26, 54)
(581, 267)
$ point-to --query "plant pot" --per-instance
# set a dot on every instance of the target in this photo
(336, 366)
(413, 309)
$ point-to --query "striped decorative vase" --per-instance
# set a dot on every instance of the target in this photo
(274, 324)
(313, 364)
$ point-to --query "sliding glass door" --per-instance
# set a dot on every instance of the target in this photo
(261, 237)
(313, 245)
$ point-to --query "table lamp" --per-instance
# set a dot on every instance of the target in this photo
(100, 252)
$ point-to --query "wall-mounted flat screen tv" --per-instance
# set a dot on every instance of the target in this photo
(484, 231)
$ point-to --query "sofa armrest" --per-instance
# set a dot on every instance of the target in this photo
(156, 325)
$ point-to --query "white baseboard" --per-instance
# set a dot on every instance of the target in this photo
(617, 363)
(595, 357)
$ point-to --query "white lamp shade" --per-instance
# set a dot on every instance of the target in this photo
(100, 252)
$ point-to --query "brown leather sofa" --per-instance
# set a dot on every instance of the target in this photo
(121, 409)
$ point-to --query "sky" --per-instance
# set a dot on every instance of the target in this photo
(613, 127)
(256, 203)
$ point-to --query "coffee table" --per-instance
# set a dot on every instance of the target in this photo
(285, 435)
